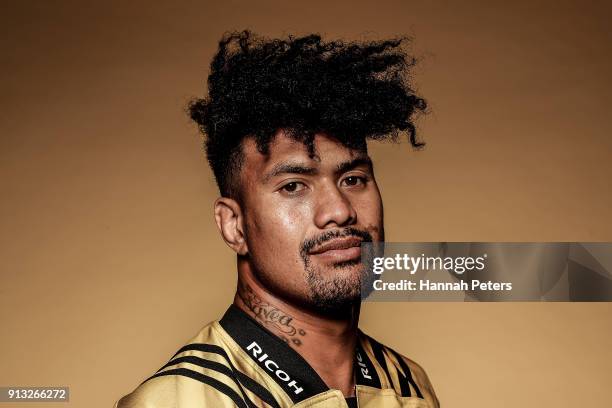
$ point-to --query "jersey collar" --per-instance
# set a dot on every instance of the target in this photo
(284, 365)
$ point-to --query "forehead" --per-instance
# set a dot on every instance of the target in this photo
(329, 152)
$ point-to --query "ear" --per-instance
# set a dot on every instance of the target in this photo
(229, 219)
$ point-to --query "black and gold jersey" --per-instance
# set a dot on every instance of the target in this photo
(236, 362)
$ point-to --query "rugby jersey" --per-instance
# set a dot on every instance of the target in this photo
(236, 362)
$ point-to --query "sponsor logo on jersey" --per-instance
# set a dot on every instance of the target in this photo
(364, 369)
(271, 365)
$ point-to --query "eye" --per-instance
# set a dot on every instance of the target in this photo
(354, 181)
(293, 187)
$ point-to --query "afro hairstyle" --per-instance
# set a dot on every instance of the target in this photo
(352, 91)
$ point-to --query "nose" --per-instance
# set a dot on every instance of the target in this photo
(334, 209)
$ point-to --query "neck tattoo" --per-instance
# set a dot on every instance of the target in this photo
(271, 316)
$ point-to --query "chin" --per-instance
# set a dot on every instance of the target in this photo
(335, 290)
(336, 308)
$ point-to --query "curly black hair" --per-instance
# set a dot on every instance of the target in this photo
(303, 85)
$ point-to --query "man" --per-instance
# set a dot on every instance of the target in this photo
(286, 123)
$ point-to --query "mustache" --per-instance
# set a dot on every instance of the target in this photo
(310, 243)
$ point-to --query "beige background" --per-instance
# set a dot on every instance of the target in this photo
(109, 256)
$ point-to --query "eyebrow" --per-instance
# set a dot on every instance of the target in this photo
(289, 168)
(300, 168)
(351, 164)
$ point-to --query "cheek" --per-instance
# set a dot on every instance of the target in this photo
(370, 215)
(281, 229)
(369, 209)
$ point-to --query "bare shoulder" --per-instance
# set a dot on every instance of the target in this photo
(420, 377)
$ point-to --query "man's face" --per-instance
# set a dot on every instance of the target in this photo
(306, 217)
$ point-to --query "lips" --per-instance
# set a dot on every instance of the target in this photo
(339, 243)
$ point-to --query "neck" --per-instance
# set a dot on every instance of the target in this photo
(327, 344)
